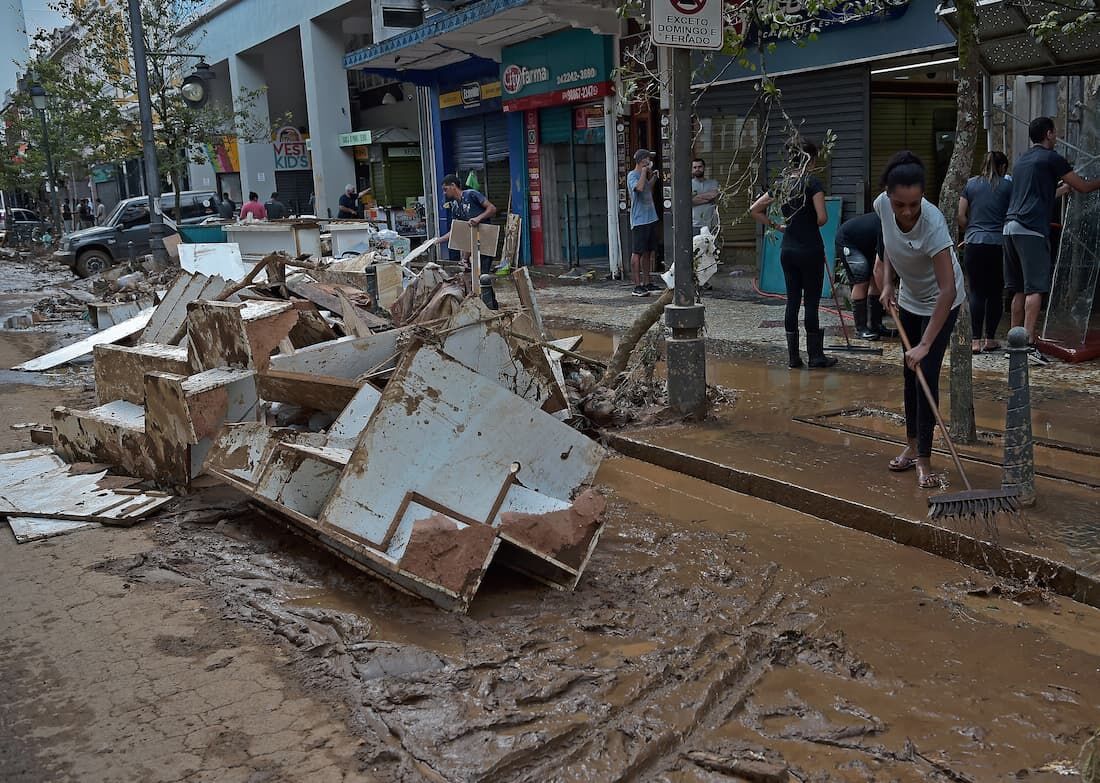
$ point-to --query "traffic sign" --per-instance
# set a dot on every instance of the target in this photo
(687, 24)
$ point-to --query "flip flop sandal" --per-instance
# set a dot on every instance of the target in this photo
(900, 465)
(931, 481)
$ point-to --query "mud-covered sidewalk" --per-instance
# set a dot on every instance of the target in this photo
(714, 637)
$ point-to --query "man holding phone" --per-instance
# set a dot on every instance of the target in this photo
(643, 222)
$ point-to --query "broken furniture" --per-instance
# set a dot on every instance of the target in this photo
(42, 496)
(295, 238)
(161, 405)
(451, 471)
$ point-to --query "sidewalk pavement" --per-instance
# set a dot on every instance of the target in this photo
(740, 320)
(834, 431)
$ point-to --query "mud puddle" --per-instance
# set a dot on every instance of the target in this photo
(711, 630)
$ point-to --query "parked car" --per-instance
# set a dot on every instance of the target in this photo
(126, 231)
(25, 225)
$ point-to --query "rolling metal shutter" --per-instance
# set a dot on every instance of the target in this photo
(555, 125)
(496, 137)
(726, 139)
(294, 189)
(837, 99)
(468, 135)
(911, 123)
(404, 180)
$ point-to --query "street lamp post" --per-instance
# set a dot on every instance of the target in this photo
(38, 99)
(148, 145)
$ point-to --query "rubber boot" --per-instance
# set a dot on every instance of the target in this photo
(875, 306)
(859, 310)
(794, 361)
(814, 347)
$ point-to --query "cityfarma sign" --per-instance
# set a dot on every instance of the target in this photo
(562, 61)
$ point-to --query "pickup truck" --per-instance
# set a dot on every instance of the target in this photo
(125, 232)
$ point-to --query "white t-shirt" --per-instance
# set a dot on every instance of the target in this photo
(911, 256)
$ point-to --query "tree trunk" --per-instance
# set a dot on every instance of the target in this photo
(633, 336)
(962, 163)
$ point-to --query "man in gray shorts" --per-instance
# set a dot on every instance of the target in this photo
(1028, 266)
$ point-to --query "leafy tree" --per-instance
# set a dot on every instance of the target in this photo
(85, 123)
(969, 90)
(105, 44)
(752, 27)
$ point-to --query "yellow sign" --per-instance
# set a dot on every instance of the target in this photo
(470, 95)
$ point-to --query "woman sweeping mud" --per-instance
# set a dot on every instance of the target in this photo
(802, 254)
(918, 248)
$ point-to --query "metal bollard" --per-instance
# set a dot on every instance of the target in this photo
(488, 295)
(1019, 460)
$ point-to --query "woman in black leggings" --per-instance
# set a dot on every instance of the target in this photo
(982, 208)
(802, 253)
(917, 246)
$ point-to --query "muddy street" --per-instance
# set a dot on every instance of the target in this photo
(713, 636)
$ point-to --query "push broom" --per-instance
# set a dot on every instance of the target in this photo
(847, 347)
(974, 504)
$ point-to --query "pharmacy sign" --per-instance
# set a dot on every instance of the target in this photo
(687, 24)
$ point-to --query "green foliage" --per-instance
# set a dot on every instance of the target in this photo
(84, 122)
(94, 115)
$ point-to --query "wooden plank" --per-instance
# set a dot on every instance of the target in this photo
(183, 290)
(314, 392)
(526, 292)
(120, 371)
(84, 347)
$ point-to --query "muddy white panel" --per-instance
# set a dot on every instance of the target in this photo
(27, 529)
(353, 420)
(347, 357)
(18, 465)
(84, 347)
(217, 258)
(451, 435)
(241, 451)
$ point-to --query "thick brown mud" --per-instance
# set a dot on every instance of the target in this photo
(711, 630)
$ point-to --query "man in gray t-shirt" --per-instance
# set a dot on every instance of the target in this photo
(1035, 177)
(704, 195)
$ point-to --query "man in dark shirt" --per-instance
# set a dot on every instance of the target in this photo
(1035, 177)
(351, 208)
(276, 210)
(475, 208)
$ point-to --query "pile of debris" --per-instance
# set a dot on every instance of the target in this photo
(387, 416)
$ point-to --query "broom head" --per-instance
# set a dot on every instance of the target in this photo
(984, 503)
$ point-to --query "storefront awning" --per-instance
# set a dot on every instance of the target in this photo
(1007, 47)
(481, 29)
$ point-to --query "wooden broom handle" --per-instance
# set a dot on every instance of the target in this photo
(931, 399)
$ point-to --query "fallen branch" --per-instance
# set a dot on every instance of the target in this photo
(633, 336)
(580, 357)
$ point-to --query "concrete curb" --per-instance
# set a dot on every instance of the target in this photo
(1001, 561)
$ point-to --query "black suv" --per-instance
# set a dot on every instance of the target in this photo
(126, 231)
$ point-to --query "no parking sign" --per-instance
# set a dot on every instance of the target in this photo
(687, 24)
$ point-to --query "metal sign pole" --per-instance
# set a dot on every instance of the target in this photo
(687, 357)
(148, 142)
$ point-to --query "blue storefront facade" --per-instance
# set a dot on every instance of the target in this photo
(467, 127)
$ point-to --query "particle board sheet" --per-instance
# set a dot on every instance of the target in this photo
(114, 334)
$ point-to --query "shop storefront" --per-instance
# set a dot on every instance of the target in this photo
(880, 84)
(475, 136)
(293, 170)
(561, 84)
